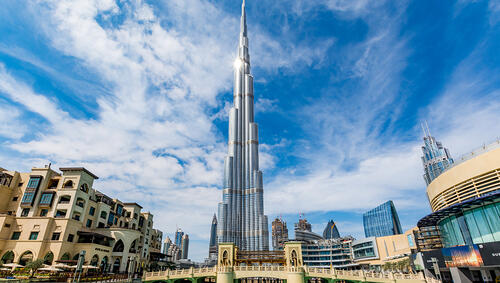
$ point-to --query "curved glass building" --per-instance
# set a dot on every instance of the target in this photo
(382, 221)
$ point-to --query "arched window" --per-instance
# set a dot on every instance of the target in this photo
(26, 257)
(65, 256)
(84, 188)
(80, 202)
(68, 184)
(95, 260)
(118, 248)
(8, 257)
(225, 258)
(76, 216)
(104, 263)
(76, 256)
(49, 257)
(132, 247)
(116, 265)
(294, 258)
(65, 199)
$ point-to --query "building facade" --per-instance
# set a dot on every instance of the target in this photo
(382, 221)
(178, 237)
(212, 245)
(328, 253)
(241, 212)
(53, 216)
(465, 200)
(331, 231)
(435, 158)
(279, 233)
(185, 246)
(303, 225)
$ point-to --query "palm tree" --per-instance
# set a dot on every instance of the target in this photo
(33, 266)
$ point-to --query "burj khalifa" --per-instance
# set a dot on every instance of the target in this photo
(241, 212)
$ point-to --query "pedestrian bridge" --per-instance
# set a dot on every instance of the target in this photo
(229, 269)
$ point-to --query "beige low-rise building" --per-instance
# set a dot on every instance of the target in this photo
(377, 251)
(53, 216)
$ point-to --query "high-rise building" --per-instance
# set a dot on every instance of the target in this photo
(178, 237)
(212, 247)
(241, 213)
(303, 225)
(331, 231)
(166, 245)
(382, 221)
(436, 158)
(280, 233)
(185, 246)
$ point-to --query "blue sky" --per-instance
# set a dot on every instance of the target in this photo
(138, 93)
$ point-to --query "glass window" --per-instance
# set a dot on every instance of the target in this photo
(15, 236)
(46, 199)
(33, 236)
(104, 214)
(15, 198)
(25, 212)
(55, 236)
(492, 213)
(89, 223)
(44, 212)
(92, 211)
(33, 182)
(71, 237)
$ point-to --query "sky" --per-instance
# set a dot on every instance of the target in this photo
(138, 92)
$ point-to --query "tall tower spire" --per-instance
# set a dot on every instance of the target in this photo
(241, 213)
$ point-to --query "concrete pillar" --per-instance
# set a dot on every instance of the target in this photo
(295, 277)
(225, 276)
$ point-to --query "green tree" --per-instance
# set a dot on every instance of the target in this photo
(33, 266)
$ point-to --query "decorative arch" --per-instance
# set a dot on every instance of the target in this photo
(118, 247)
(7, 257)
(48, 258)
(84, 188)
(104, 263)
(76, 256)
(133, 248)
(26, 257)
(80, 202)
(293, 259)
(68, 184)
(225, 258)
(95, 260)
(65, 256)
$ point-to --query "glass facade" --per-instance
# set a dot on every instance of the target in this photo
(435, 158)
(382, 221)
(476, 225)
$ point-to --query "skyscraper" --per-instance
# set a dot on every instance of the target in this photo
(382, 221)
(241, 212)
(166, 245)
(178, 237)
(331, 231)
(212, 247)
(185, 246)
(436, 158)
(280, 233)
(303, 225)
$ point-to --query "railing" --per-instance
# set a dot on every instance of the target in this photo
(362, 275)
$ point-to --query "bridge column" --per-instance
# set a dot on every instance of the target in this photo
(225, 276)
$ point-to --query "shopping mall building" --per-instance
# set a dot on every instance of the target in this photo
(465, 200)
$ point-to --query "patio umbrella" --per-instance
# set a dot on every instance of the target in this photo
(4, 269)
(13, 265)
(62, 265)
(90, 267)
(51, 269)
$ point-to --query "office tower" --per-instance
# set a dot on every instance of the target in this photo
(241, 213)
(331, 231)
(382, 221)
(178, 237)
(279, 233)
(303, 225)
(184, 246)
(436, 158)
(212, 248)
(166, 245)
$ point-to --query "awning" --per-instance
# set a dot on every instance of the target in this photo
(433, 218)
